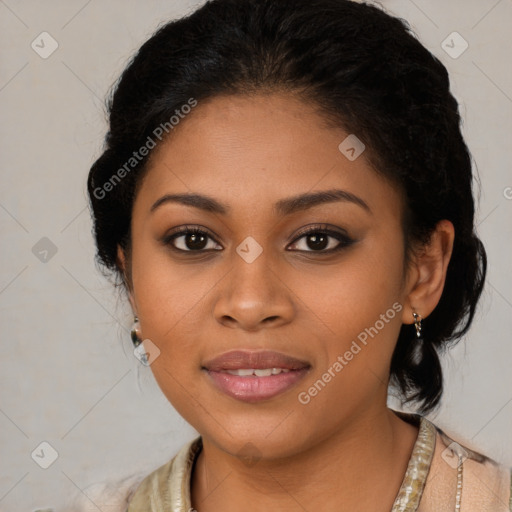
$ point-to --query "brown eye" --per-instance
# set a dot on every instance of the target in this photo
(191, 240)
(322, 240)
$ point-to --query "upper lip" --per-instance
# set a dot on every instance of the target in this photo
(240, 359)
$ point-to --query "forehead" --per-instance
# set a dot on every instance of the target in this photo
(253, 150)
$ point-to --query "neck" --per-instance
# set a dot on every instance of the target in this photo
(361, 466)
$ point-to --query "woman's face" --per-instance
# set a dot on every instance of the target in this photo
(328, 303)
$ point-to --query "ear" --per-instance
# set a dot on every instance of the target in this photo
(427, 273)
(122, 263)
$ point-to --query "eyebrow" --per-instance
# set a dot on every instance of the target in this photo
(283, 207)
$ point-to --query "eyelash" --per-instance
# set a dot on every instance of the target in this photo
(344, 240)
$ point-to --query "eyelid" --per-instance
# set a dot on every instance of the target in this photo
(179, 230)
(324, 228)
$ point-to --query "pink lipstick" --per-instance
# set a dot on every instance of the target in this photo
(255, 376)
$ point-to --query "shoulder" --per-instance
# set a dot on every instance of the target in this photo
(484, 485)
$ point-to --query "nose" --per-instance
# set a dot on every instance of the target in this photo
(253, 296)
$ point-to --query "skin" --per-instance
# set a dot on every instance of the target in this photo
(345, 445)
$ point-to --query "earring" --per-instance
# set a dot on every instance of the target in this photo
(417, 324)
(135, 332)
(417, 348)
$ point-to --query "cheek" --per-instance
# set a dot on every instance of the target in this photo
(343, 300)
(356, 309)
(169, 297)
(171, 307)
(353, 371)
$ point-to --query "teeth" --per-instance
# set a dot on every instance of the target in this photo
(264, 372)
(267, 372)
(241, 373)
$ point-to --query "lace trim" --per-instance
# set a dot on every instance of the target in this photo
(413, 484)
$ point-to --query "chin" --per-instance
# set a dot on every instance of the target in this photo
(263, 437)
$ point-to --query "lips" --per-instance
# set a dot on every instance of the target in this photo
(238, 359)
(255, 376)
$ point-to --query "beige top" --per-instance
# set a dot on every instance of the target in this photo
(442, 476)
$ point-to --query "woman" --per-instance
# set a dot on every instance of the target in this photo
(286, 196)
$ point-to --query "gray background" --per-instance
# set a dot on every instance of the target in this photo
(67, 372)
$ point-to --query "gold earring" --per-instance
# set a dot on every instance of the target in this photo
(417, 324)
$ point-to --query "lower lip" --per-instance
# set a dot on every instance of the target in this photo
(253, 388)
